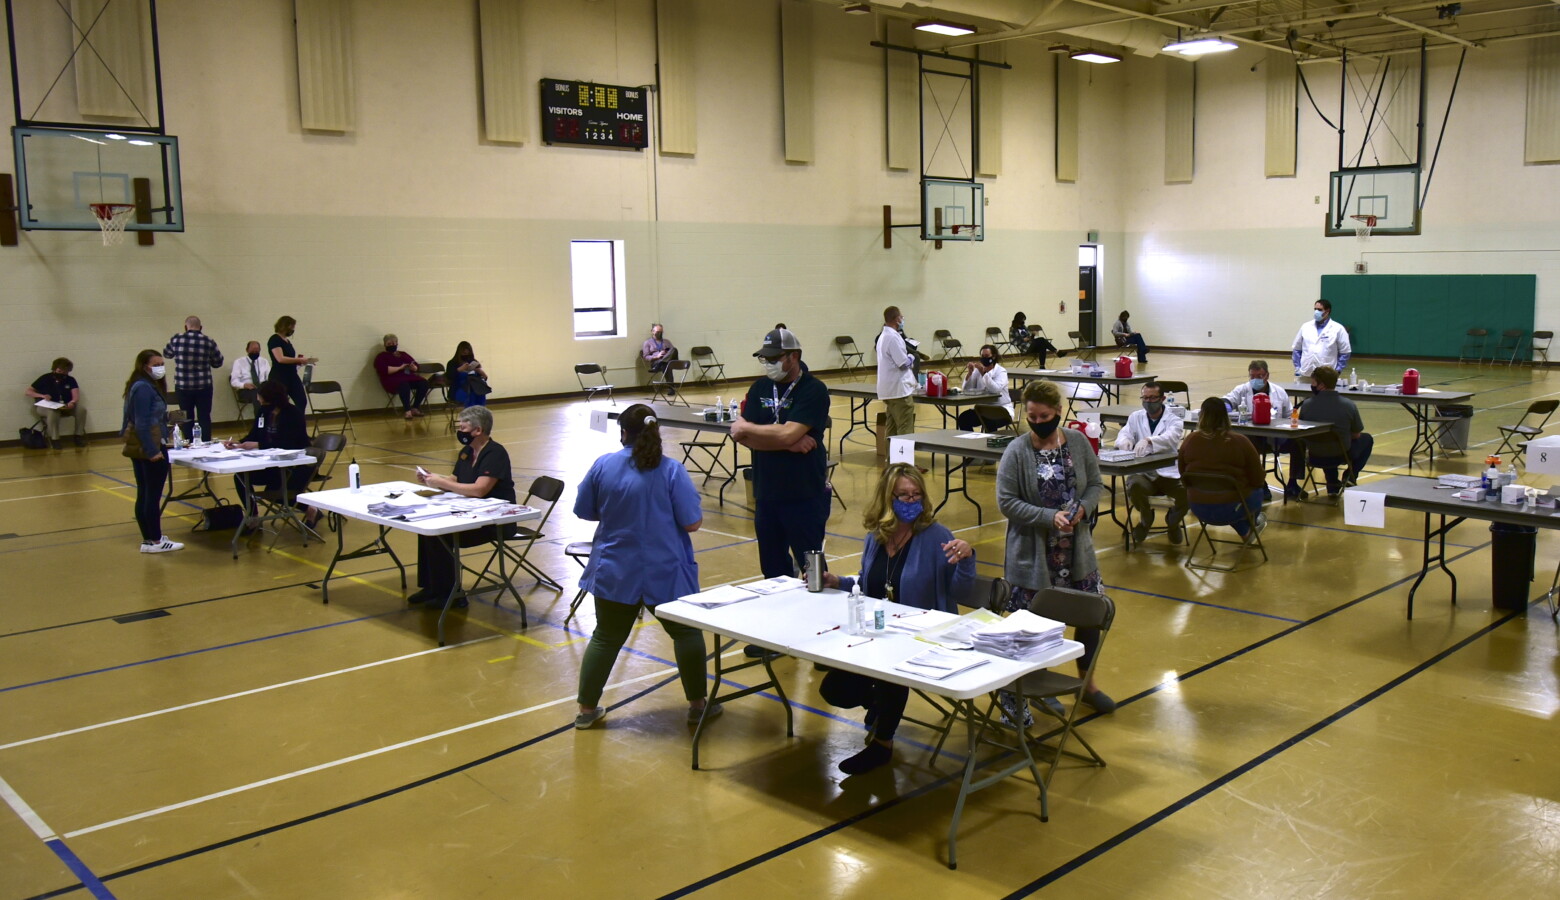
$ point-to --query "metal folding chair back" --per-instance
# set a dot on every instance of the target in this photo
(597, 382)
(1209, 482)
(329, 446)
(244, 399)
(952, 348)
(1475, 343)
(990, 413)
(520, 539)
(580, 552)
(1076, 610)
(1510, 345)
(1177, 387)
(669, 382)
(849, 355)
(1512, 436)
(318, 389)
(711, 369)
(1539, 346)
(996, 337)
(1081, 349)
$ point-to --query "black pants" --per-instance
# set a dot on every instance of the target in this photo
(295, 391)
(297, 482)
(150, 480)
(1040, 347)
(197, 408)
(786, 530)
(884, 702)
(970, 420)
(413, 393)
(661, 364)
(435, 565)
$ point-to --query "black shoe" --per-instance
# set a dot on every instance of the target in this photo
(753, 651)
(875, 756)
(1173, 522)
(80, 441)
(1061, 353)
(1140, 530)
(54, 444)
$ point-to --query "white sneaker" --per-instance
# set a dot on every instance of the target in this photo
(162, 546)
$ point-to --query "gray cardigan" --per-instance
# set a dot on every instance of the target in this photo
(1018, 496)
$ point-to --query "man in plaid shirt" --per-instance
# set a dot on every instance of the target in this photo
(194, 356)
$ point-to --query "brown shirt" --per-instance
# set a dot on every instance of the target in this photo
(1231, 455)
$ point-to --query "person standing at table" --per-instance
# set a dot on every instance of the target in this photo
(463, 367)
(397, 372)
(1213, 449)
(896, 374)
(1126, 337)
(278, 426)
(144, 425)
(194, 355)
(250, 371)
(481, 470)
(1048, 486)
(910, 559)
(1327, 405)
(285, 361)
(1149, 431)
(57, 386)
(1320, 342)
(644, 506)
(982, 376)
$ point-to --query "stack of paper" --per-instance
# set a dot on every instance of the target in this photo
(936, 665)
(724, 595)
(958, 633)
(1022, 636)
(1459, 481)
(774, 585)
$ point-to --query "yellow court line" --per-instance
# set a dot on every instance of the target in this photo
(113, 492)
(501, 658)
(312, 564)
(507, 633)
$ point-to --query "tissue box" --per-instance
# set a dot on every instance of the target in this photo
(1543, 455)
(1513, 494)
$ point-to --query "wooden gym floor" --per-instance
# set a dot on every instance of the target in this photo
(1283, 731)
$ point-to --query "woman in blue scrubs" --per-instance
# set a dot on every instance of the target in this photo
(645, 507)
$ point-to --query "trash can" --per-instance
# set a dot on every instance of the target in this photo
(1455, 435)
(1511, 564)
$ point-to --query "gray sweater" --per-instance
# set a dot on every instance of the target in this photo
(1018, 496)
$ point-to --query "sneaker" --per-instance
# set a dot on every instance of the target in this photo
(1051, 705)
(1251, 536)
(162, 545)
(1173, 522)
(874, 756)
(591, 719)
(1100, 701)
(694, 715)
(1140, 530)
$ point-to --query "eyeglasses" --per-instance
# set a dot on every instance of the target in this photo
(908, 498)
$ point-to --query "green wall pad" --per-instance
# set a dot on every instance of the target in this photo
(1429, 315)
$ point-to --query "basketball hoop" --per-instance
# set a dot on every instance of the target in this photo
(112, 218)
(972, 230)
(1362, 227)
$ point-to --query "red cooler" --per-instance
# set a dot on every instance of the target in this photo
(1083, 427)
(1411, 381)
(1123, 367)
(936, 384)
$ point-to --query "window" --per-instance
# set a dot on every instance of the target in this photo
(598, 288)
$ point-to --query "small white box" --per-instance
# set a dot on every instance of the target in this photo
(1513, 494)
(1543, 455)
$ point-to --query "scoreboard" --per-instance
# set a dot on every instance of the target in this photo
(596, 115)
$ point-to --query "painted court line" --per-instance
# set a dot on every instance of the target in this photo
(252, 691)
(46, 834)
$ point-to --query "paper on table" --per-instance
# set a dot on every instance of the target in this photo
(720, 596)
(774, 585)
(937, 664)
(49, 404)
(960, 631)
(901, 450)
(974, 435)
(598, 420)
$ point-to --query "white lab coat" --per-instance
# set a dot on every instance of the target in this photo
(895, 377)
(1323, 346)
(996, 381)
(1243, 394)
(239, 376)
(1166, 437)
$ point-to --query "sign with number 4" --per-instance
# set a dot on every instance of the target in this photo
(901, 450)
(1364, 509)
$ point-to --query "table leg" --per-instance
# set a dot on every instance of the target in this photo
(1421, 432)
(1126, 527)
(1439, 557)
(857, 405)
(451, 545)
(249, 492)
(736, 468)
(964, 484)
(378, 546)
(721, 671)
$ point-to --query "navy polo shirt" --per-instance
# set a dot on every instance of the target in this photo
(781, 475)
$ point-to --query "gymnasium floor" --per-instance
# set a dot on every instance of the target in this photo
(1283, 731)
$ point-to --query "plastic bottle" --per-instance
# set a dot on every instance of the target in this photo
(855, 610)
(1294, 417)
(879, 615)
(195, 438)
(1243, 415)
(1354, 377)
(735, 410)
(178, 439)
(1491, 483)
(354, 477)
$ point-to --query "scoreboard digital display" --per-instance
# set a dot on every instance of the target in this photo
(595, 115)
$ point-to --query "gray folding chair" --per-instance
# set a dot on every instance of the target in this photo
(1510, 345)
(711, 369)
(670, 382)
(319, 389)
(1177, 387)
(1211, 483)
(592, 388)
(1075, 609)
(1522, 431)
(1080, 349)
(996, 337)
(849, 355)
(1539, 346)
(579, 551)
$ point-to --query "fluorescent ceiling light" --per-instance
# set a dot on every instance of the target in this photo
(947, 28)
(1199, 46)
(141, 143)
(1095, 56)
(115, 137)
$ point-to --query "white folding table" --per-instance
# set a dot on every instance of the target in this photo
(213, 460)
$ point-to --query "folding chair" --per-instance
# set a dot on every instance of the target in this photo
(990, 412)
(579, 551)
(716, 466)
(952, 349)
(330, 445)
(592, 389)
(438, 380)
(1325, 446)
(278, 501)
(992, 593)
(1080, 349)
(1177, 387)
(849, 355)
(518, 542)
(830, 463)
(996, 337)
(1536, 349)
(1208, 482)
(708, 362)
(244, 399)
(670, 381)
(1075, 609)
(940, 335)
(1508, 348)
(1522, 432)
(1475, 342)
(316, 389)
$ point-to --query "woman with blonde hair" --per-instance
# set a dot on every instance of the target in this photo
(908, 559)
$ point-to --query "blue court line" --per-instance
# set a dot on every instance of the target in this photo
(724, 546)
(79, 869)
(156, 659)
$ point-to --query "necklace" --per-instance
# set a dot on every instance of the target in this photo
(896, 568)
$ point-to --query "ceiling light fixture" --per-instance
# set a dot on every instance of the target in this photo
(1095, 56)
(945, 28)
(1197, 46)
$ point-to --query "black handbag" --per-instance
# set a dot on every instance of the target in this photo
(222, 517)
(477, 386)
(33, 438)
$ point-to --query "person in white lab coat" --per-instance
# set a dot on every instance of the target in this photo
(1321, 342)
(1149, 430)
(983, 376)
(1244, 395)
(896, 374)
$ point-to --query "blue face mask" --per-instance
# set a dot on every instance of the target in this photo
(908, 510)
(1318, 314)
(1258, 385)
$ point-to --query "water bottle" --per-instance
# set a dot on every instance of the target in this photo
(856, 609)
(1491, 483)
(1354, 377)
(354, 477)
(814, 560)
(1243, 414)
(735, 410)
(178, 439)
(195, 440)
(878, 615)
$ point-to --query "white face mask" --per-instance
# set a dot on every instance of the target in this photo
(159, 371)
(774, 368)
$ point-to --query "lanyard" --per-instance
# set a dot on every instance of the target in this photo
(779, 401)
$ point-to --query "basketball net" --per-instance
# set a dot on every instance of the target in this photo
(1362, 227)
(112, 218)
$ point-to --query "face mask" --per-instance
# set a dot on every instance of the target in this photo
(392, 348)
(907, 510)
(465, 437)
(255, 355)
(987, 361)
(1318, 315)
(1045, 429)
(1154, 407)
(1258, 385)
(774, 369)
(159, 371)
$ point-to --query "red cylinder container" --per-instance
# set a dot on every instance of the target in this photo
(936, 384)
(1411, 381)
(1261, 409)
(1083, 427)
(1123, 367)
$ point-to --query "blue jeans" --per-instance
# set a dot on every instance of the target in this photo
(1231, 513)
(1136, 340)
(1359, 454)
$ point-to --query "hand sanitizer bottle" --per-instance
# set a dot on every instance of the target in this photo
(879, 614)
(853, 622)
(354, 477)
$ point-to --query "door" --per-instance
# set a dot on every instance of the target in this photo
(1088, 293)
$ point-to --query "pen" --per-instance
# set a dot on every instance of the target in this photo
(827, 630)
(859, 643)
(905, 615)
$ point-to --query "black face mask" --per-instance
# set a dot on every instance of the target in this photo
(1045, 429)
(465, 437)
(392, 348)
(987, 361)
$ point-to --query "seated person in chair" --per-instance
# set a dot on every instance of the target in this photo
(58, 386)
(463, 367)
(1126, 337)
(1245, 394)
(1025, 341)
(250, 371)
(657, 351)
(278, 426)
(1216, 450)
(481, 470)
(397, 372)
(986, 375)
(1148, 431)
(1327, 405)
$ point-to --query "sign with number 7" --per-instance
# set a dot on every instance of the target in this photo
(1364, 509)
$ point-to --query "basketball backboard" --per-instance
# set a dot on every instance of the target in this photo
(61, 171)
(952, 210)
(1390, 193)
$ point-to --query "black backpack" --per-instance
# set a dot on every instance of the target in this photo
(34, 438)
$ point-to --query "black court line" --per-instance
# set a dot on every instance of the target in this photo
(827, 830)
(1143, 825)
(389, 792)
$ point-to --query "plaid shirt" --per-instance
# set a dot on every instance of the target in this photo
(194, 356)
